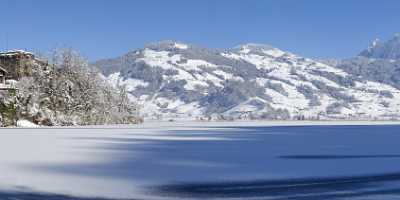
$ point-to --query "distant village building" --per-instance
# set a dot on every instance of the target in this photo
(17, 64)
(4, 85)
(3, 74)
(14, 65)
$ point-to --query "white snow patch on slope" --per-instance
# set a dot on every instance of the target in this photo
(228, 76)
(274, 52)
(195, 64)
(180, 46)
(159, 59)
(246, 106)
(115, 79)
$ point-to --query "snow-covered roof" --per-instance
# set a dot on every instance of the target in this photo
(15, 52)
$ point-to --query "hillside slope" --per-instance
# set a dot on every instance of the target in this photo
(175, 80)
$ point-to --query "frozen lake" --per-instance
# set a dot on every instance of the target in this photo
(202, 161)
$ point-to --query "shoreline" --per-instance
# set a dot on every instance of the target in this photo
(271, 123)
(225, 124)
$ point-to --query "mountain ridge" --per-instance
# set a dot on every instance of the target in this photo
(251, 81)
(389, 49)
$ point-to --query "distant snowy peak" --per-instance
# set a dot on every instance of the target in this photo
(384, 50)
(167, 45)
(254, 46)
(375, 43)
(261, 49)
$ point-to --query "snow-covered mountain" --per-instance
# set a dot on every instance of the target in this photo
(380, 62)
(384, 50)
(172, 79)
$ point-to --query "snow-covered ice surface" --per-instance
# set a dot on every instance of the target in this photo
(194, 160)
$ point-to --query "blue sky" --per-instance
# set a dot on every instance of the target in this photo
(108, 28)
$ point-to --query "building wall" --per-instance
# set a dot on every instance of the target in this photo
(17, 64)
(2, 78)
